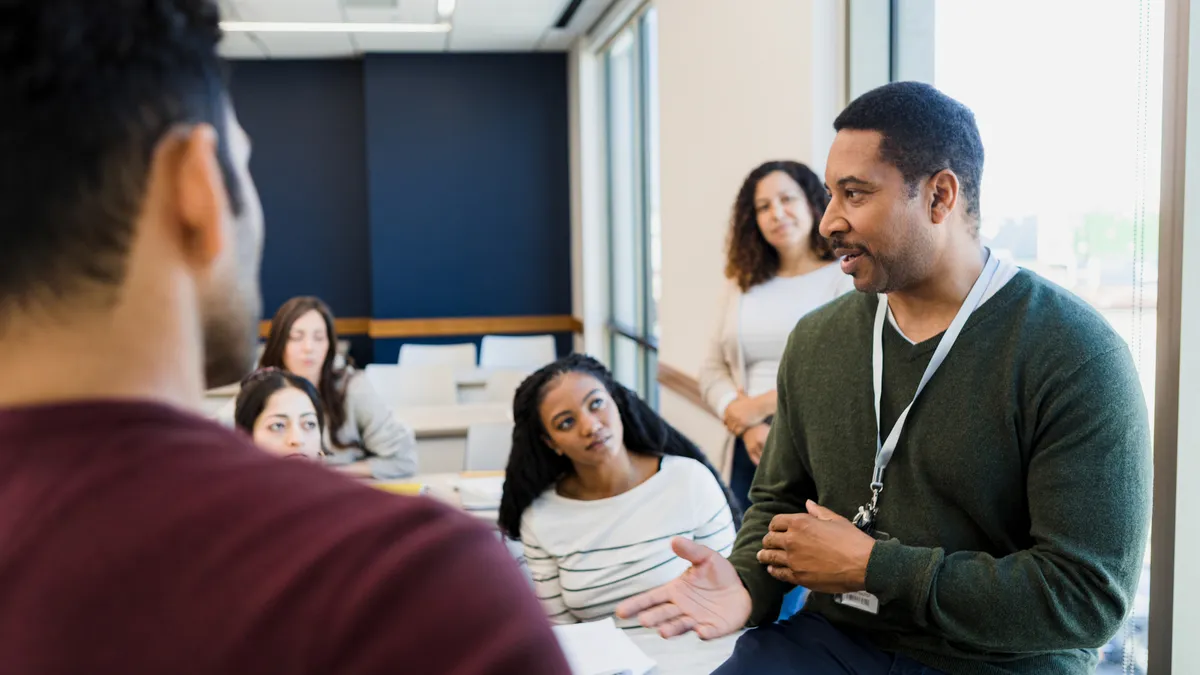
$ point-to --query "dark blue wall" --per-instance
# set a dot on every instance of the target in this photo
(468, 184)
(306, 124)
(413, 186)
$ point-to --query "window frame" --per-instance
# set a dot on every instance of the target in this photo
(645, 378)
(1178, 316)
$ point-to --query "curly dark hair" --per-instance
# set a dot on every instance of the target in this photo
(333, 381)
(924, 131)
(87, 91)
(750, 259)
(533, 466)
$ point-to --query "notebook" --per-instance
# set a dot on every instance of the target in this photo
(600, 648)
(480, 494)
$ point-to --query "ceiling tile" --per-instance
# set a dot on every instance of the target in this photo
(228, 10)
(491, 43)
(307, 45)
(401, 42)
(240, 46)
(529, 15)
(408, 11)
(556, 41)
(479, 25)
(288, 10)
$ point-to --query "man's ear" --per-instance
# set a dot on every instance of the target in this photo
(195, 187)
(944, 193)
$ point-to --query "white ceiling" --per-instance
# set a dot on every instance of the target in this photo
(478, 26)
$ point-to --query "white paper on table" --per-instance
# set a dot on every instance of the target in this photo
(599, 647)
(481, 494)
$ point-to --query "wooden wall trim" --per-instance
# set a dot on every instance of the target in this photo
(683, 384)
(489, 325)
(354, 325)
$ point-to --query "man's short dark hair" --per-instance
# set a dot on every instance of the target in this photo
(87, 90)
(924, 131)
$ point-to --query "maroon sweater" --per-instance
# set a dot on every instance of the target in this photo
(138, 539)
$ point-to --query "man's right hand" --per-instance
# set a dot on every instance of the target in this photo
(708, 598)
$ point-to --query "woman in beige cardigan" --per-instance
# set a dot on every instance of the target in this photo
(779, 269)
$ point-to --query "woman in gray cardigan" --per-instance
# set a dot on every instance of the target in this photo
(363, 438)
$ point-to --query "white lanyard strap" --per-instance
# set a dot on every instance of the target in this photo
(885, 448)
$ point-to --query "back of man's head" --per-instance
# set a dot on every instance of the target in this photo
(923, 131)
(90, 93)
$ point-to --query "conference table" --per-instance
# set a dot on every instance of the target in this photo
(441, 431)
(447, 421)
(684, 655)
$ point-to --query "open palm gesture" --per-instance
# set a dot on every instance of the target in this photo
(708, 598)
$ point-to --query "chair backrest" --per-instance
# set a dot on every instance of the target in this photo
(502, 384)
(414, 385)
(488, 446)
(525, 352)
(457, 355)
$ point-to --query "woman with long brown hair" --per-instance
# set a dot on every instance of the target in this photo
(364, 438)
(779, 269)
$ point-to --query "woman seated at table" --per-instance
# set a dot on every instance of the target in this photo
(597, 485)
(363, 438)
(282, 413)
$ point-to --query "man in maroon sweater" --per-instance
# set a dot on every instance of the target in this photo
(136, 537)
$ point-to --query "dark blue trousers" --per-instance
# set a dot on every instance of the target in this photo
(808, 645)
(741, 475)
(739, 484)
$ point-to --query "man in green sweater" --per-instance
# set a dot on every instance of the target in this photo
(959, 468)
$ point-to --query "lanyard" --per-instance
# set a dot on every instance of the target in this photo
(885, 448)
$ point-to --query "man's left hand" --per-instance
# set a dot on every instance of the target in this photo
(819, 550)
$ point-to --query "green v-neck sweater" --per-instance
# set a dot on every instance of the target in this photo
(1016, 507)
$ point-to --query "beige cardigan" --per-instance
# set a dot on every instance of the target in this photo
(723, 372)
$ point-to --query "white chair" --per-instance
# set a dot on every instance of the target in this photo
(502, 384)
(488, 446)
(458, 356)
(414, 385)
(526, 352)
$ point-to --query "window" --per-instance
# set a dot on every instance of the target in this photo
(631, 129)
(1068, 98)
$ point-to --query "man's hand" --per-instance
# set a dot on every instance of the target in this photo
(819, 550)
(755, 440)
(708, 598)
(742, 413)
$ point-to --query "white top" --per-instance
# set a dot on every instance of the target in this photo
(587, 556)
(770, 311)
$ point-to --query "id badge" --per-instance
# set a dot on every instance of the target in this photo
(860, 600)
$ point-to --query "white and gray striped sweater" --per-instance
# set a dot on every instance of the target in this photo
(587, 556)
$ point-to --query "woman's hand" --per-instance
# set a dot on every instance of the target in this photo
(742, 413)
(755, 440)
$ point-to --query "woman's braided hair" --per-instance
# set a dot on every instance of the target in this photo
(533, 466)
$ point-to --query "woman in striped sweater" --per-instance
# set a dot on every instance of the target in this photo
(597, 486)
